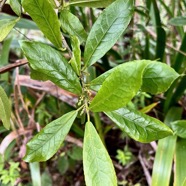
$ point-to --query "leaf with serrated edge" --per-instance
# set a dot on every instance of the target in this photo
(44, 16)
(119, 87)
(6, 25)
(5, 109)
(91, 3)
(76, 55)
(107, 30)
(97, 165)
(46, 143)
(71, 24)
(179, 128)
(158, 77)
(139, 126)
(50, 62)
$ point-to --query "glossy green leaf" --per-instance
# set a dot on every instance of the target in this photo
(76, 55)
(50, 62)
(97, 165)
(16, 6)
(6, 25)
(119, 88)
(44, 16)
(180, 163)
(139, 126)
(96, 83)
(158, 77)
(71, 24)
(107, 29)
(178, 21)
(91, 3)
(179, 128)
(46, 143)
(5, 111)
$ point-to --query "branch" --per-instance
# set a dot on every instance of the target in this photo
(14, 65)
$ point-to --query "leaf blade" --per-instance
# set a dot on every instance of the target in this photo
(91, 3)
(119, 87)
(97, 172)
(158, 77)
(110, 24)
(179, 128)
(52, 64)
(6, 25)
(46, 143)
(5, 112)
(139, 126)
(71, 24)
(76, 55)
(44, 16)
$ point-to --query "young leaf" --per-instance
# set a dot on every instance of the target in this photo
(71, 24)
(179, 128)
(107, 29)
(16, 6)
(98, 167)
(158, 77)
(5, 109)
(76, 55)
(44, 16)
(139, 126)
(46, 143)
(50, 62)
(91, 3)
(119, 88)
(6, 25)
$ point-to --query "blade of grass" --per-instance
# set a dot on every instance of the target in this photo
(35, 174)
(165, 152)
(179, 65)
(180, 172)
(161, 34)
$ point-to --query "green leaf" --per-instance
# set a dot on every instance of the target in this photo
(16, 6)
(44, 16)
(6, 25)
(119, 87)
(71, 24)
(50, 62)
(96, 83)
(76, 55)
(107, 30)
(139, 126)
(178, 21)
(5, 111)
(91, 3)
(98, 167)
(158, 77)
(46, 143)
(179, 128)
